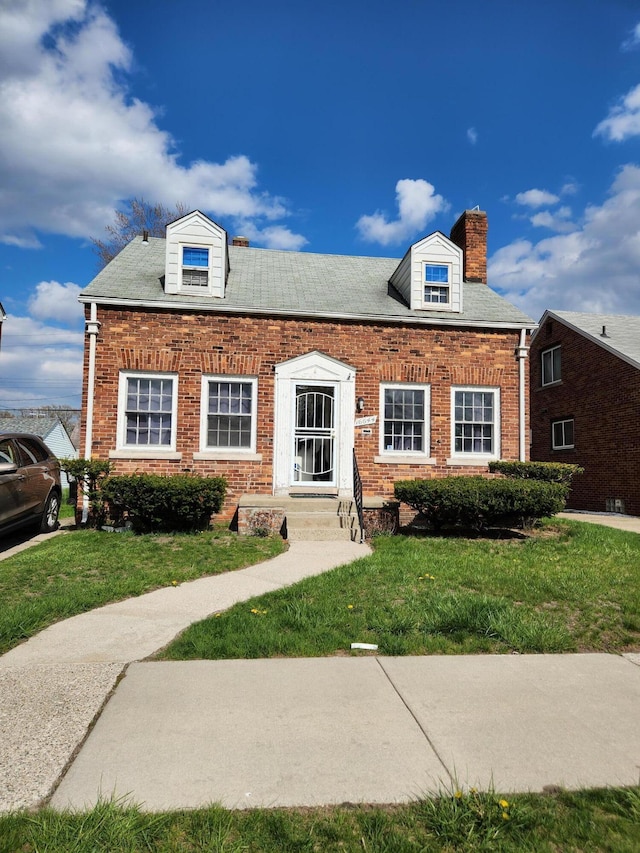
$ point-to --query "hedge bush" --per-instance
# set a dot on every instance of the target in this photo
(181, 502)
(477, 503)
(549, 472)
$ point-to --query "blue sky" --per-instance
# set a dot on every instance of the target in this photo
(350, 127)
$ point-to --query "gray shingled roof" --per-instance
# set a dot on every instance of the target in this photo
(35, 426)
(622, 331)
(270, 281)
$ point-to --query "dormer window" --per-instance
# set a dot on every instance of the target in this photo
(437, 282)
(195, 267)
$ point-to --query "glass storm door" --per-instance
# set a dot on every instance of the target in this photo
(314, 444)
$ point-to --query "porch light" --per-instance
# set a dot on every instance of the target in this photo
(360, 404)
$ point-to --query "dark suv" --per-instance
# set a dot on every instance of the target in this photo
(29, 483)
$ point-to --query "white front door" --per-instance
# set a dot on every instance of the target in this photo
(314, 425)
(314, 435)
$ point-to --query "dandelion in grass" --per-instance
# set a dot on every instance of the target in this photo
(505, 816)
(458, 795)
(504, 804)
(349, 606)
(174, 583)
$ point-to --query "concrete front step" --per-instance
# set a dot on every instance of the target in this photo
(323, 534)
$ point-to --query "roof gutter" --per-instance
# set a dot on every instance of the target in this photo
(314, 315)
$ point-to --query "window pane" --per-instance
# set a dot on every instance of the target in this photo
(148, 413)
(230, 411)
(404, 420)
(474, 422)
(436, 273)
(195, 257)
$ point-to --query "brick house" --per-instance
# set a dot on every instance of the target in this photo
(585, 405)
(276, 368)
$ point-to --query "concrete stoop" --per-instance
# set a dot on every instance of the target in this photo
(322, 519)
(311, 518)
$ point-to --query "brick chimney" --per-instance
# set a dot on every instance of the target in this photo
(240, 241)
(470, 233)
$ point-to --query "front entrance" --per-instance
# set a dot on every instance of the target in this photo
(314, 426)
(314, 435)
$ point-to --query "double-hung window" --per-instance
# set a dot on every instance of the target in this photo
(551, 365)
(437, 284)
(147, 411)
(405, 419)
(476, 422)
(562, 434)
(195, 267)
(229, 413)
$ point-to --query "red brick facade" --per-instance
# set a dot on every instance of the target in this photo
(196, 343)
(601, 394)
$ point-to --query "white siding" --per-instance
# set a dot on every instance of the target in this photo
(197, 230)
(408, 278)
(59, 442)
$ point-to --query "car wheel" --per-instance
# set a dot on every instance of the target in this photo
(49, 521)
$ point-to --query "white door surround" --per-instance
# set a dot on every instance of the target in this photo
(313, 440)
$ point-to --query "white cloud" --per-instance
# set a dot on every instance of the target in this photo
(594, 267)
(557, 220)
(40, 364)
(633, 40)
(55, 301)
(623, 120)
(417, 203)
(536, 198)
(273, 236)
(472, 135)
(76, 143)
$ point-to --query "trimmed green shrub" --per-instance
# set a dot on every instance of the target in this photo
(89, 475)
(477, 503)
(177, 503)
(549, 472)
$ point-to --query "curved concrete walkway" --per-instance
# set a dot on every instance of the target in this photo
(296, 732)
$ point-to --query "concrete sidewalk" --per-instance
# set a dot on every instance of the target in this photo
(292, 732)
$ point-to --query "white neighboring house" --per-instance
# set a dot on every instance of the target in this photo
(51, 430)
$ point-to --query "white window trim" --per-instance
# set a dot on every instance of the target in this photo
(138, 451)
(437, 306)
(186, 288)
(230, 453)
(542, 355)
(406, 457)
(562, 446)
(476, 458)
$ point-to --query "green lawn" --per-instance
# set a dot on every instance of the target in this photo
(570, 587)
(584, 822)
(83, 569)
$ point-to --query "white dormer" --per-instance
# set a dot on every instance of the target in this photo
(196, 256)
(429, 276)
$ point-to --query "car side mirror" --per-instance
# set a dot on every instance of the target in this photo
(8, 468)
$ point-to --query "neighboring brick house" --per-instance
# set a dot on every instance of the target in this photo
(273, 367)
(585, 405)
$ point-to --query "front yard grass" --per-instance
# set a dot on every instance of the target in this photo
(602, 820)
(570, 587)
(83, 569)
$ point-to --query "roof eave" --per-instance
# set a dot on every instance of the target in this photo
(317, 315)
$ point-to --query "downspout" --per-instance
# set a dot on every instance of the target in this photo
(92, 328)
(522, 352)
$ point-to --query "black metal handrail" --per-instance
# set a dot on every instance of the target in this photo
(357, 495)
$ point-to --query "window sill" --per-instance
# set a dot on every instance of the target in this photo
(145, 454)
(231, 455)
(471, 460)
(551, 384)
(403, 459)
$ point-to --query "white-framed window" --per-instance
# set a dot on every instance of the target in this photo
(229, 409)
(147, 409)
(436, 284)
(195, 267)
(404, 425)
(562, 434)
(475, 422)
(551, 365)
